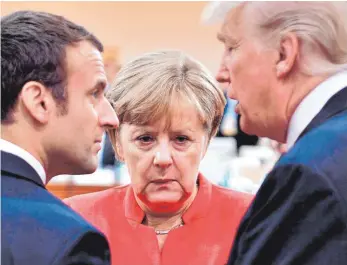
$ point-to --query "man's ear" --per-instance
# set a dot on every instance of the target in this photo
(37, 101)
(288, 54)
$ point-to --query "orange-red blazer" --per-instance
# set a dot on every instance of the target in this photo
(206, 238)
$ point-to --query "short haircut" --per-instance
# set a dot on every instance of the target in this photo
(33, 48)
(320, 26)
(145, 88)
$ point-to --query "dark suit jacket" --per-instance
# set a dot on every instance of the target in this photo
(39, 229)
(299, 215)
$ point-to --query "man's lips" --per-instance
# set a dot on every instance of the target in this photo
(98, 140)
(237, 108)
(98, 143)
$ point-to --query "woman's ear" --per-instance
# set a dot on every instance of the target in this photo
(206, 142)
(118, 145)
(115, 141)
(119, 151)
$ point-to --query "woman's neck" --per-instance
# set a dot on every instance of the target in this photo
(168, 221)
(163, 222)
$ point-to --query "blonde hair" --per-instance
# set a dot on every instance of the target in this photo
(146, 88)
(320, 26)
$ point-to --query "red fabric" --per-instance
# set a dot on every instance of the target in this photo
(206, 238)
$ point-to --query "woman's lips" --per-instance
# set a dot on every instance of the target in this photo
(162, 181)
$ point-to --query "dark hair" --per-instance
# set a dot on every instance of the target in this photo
(33, 48)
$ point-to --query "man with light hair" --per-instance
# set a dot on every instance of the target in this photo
(286, 65)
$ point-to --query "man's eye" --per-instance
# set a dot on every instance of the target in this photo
(96, 93)
(229, 49)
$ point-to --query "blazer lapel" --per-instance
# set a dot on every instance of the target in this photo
(15, 166)
(335, 105)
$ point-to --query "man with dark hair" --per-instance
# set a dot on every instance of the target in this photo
(53, 115)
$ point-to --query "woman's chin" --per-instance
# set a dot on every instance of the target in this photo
(165, 201)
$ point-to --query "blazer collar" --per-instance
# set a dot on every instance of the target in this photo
(15, 166)
(335, 105)
(198, 209)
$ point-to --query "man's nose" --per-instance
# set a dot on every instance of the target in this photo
(107, 116)
(223, 75)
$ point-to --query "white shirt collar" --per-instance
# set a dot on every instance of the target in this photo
(9, 147)
(312, 104)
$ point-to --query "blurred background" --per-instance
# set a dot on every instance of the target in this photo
(128, 29)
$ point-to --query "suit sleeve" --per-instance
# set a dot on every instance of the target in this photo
(91, 249)
(297, 217)
(6, 253)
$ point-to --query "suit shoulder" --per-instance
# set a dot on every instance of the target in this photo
(321, 154)
(302, 180)
(24, 198)
(57, 227)
(322, 145)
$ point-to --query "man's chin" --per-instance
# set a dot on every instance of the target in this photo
(86, 169)
(248, 127)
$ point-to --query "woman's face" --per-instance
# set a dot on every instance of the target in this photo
(163, 162)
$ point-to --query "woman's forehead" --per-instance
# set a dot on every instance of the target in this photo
(175, 119)
(149, 111)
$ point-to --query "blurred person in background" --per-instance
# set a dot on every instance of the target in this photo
(111, 62)
(280, 148)
(53, 114)
(232, 119)
(287, 65)
(112, 66)
(169, 108)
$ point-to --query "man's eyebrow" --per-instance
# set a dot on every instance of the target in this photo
(100, 84)
(227, 39)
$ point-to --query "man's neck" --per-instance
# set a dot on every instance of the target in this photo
(300, 90)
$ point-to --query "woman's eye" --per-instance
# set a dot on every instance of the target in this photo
(182, 139)
(145, 139)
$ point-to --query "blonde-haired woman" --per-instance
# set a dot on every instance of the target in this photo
(169, 108)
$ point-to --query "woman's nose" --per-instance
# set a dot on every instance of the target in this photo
(163, 157)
